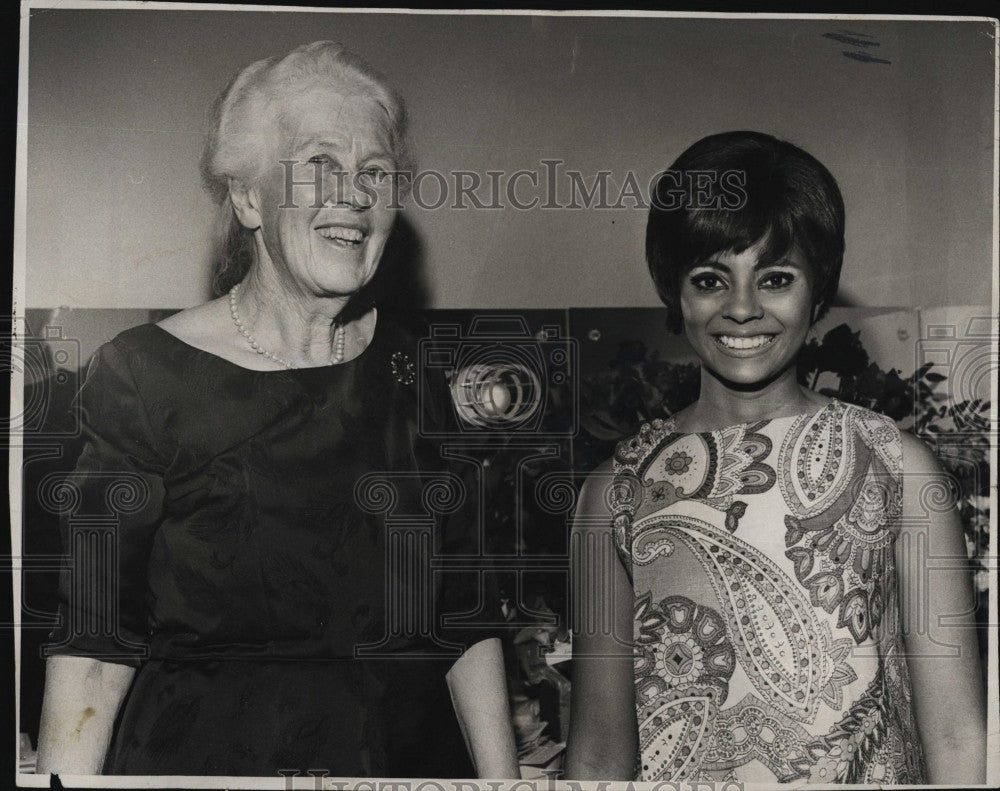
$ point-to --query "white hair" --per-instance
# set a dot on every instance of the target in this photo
(243, 133)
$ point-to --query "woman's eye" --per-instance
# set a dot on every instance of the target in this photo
(778, 280)
(373, 173)
(320, 159)
(706, 282)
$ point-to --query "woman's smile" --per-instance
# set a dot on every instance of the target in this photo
(343, 235)
(744, 345)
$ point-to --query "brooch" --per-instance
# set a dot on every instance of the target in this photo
(402, 368)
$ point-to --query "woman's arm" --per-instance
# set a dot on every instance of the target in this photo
(478, 688)
(938, 624)
(603, 735)
(82, 697)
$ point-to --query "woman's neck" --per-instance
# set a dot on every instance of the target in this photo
(721, 404)
(296, 326)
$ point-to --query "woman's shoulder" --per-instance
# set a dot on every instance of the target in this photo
(602, 473)
(129, 350)
(878, 429)
(141, 349)
(904, 454)
(859, 412)
(632, 450)
(115, 397)
(207, 326)
(918, 457)
(594, 493)
(151, 356)
(187, 326)
(135, 340)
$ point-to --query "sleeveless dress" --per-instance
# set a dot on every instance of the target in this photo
(766, 627)
(253, 579)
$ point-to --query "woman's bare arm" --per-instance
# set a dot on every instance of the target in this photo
(82, 697)
(603, 736)
(478, 688)
(939, 628)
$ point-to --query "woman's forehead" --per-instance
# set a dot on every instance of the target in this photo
(343, 117)
(764, 252)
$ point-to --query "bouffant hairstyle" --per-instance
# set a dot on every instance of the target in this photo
(245, 129)
(731, 191)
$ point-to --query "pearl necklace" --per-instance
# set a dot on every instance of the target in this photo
(338, 336)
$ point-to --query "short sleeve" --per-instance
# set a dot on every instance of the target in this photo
(110, 508)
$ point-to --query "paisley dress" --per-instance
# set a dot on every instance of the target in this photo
(766, 628)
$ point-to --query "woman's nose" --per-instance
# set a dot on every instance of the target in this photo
(743, 305)
(348, 192)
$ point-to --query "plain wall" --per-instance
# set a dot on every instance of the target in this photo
(118, 102)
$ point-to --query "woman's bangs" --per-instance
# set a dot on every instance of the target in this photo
(719, 230)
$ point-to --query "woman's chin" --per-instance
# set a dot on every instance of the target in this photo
(746, 378)
(350, 267)
(747, 370)
(342, 282)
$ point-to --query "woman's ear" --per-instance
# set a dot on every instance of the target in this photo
(817, 311)
(246, 203)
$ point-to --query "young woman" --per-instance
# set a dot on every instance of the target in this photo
(767, 615)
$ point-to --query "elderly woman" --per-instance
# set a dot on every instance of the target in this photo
(256, 620)
(769, 588)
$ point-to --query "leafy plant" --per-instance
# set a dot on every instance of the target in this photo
(956, 432)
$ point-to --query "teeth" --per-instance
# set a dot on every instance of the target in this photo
(753, 342)
(343, 234)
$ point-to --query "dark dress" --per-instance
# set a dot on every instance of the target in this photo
(261, 592)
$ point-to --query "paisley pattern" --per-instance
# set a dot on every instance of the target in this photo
(868, 744)
(761, 557)
(754, 730)
(683, 663)
(784, 647)
(664, 468)
(839, 533)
